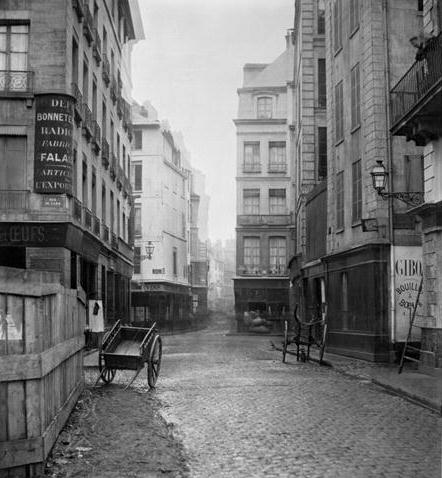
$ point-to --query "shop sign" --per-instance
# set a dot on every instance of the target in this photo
(407, 278)
(53, 201)
(54, 125)
(28, 234)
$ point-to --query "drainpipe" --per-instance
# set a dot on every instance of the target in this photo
(390, 169)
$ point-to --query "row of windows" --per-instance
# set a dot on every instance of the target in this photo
(252, 157)
(337, 21)
(277, 253)
(355, 103)
(277, 201)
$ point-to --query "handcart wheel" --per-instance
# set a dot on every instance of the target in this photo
(322, 349)
(154, 361)
(286, 340)
(106, 374)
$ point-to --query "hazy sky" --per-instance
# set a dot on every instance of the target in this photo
(189, 68)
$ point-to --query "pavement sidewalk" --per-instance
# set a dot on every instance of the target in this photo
(418, 387)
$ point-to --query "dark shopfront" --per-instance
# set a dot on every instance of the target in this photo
(81, 260)
(169, 305)
(267, 297)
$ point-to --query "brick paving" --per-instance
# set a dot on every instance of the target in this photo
(240, 412)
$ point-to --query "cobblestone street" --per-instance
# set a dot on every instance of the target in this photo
(240, 412)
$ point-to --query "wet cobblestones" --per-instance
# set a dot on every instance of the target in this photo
(240, 412)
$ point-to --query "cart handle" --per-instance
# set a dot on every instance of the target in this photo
(109, 334)
(146, 338)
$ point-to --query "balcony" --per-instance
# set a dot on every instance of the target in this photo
(264, 220)
(16, 83)
(14, 200)
(113, 90)
(87, 218)
(105, 70)
(96, 137)
(77, 210)
(105, 153)
(416, 100)
(104, 233)
(87, 122)
(78, 6)
(88, 25)
(96, 225)
(96, 49)
(277, 169)
(252, 169)
(78, 109)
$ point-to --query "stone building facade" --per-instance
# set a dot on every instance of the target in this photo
(416, 116)
(65, 130)
(264, 236)
(368, 239)
(161, 184)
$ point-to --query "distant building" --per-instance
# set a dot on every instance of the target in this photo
(199, 258)
(161, 283)
(264, 239)
(221, 273)
(65, 130)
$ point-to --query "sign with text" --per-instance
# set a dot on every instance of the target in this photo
(407, 278)
(54, 125)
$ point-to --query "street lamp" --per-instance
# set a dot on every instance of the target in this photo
(149, 248)
(379, 176)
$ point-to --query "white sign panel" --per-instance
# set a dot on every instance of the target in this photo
(407, 278)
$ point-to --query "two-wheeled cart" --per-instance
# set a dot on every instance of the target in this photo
(129, 348)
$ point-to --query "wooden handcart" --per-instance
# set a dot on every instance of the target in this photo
(129, 348)
(304, 335)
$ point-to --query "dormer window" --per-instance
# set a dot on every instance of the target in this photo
(264, 107)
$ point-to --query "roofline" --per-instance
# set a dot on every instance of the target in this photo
(136, 20)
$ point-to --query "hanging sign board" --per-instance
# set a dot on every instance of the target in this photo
(407, 278)
(96, 322)
(54, 125)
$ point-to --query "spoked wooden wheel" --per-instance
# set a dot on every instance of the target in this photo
(286, 340)
(106, 374)
(154, 361)
(322, 348)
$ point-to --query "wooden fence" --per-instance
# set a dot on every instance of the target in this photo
(41, 365)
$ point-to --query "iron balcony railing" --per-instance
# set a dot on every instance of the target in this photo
(78, 6)
(88, 24)
(87, 121)
(120, 177)
(264, 219)
(14, 200)
(14, 82)
(96, 225)
(263, 270)
(87, 218)
(96, 136)
(422, 77)
(251, 168)
(78, 109)
(77, 209)
(105, 69)
(120, 107)
(105, 233)
(105, 153)
(96, 49)
(280, 168)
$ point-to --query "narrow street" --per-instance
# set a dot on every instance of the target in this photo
(240, 412)
(226, 406)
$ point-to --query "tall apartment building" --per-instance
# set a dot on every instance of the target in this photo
(308, 102)
(416, 115)
(65, 142)
(160, 179)
(370, 241)
(264, 223)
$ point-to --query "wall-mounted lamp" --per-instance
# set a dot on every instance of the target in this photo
(379, 176)
(149, 248)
